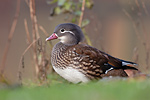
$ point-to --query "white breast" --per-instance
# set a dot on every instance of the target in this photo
(71, 74)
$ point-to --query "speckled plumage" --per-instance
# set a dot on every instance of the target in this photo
(80, 62)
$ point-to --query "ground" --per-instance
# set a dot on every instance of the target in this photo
(105, 89)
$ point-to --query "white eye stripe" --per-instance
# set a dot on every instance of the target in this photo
(68, 31)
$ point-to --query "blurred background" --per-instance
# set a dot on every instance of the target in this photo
(118, 27)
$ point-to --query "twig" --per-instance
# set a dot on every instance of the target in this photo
(145, 9)
(50, 43)
(34, 33)
(42, 62)
(143, 39)
(144, 29)
(21, 59)
(145, 33)
(142, 24)
(138, 5)
(27, 31)
(27, 2)
(28, 35)
(80, 23)
(46, 34)
(42, 29)
(33, 17)
(82, 13)
(135, 56)
(11, 33)
(134, 25)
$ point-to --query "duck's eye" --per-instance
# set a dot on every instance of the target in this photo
(62, 30)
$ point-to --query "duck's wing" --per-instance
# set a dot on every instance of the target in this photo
(94, 62)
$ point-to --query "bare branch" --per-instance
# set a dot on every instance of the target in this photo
(35, 33)
(27, 31)
(134, 25)
(43, 30)
(82, 13)
(145, 9)
(21, 59)
(11, 33)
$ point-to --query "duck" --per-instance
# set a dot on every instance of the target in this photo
(78, 62)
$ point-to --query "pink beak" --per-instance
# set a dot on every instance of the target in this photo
(52, 37)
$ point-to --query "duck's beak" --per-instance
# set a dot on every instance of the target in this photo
(52, 37)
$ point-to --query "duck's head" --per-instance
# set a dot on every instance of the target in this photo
(67, 33)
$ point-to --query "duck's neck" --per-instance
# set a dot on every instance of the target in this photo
(61, 47)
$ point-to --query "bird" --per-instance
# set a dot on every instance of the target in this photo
(78, 62)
